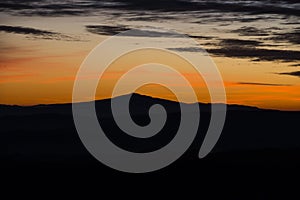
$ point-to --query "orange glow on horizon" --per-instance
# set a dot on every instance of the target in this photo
(47, 76)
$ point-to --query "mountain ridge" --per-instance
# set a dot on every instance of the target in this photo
(58, 108)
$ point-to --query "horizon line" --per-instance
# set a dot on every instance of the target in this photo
(148, 96)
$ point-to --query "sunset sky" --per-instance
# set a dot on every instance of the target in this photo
(254, 44)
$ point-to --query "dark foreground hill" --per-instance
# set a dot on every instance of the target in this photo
(255, 143)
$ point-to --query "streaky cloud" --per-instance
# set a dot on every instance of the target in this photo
(262, 84)
(109, 30)
(106, 29)
(250, 31)
(254, 50)
(295, 73)
(188, 49)
(292, 37)
(82, 7)
(25, 30)
(36, 33)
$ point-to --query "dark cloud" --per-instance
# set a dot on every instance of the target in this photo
(251, 19)
(257, 54)
(150, 17)
(273, 33)
(242, 44)
(91, 7)
(209, 44)
(273, 28)
(295, 65)
(250, 31)
(36, 33)
(261, 84)
(238, 42)
(256, 7)
(25, 30)
(188, 49)
(226, 20)
(151, 33)
(106, 30)
(55, 8)
(114, 30)
(296, 73)
(202, 37)
(252, 49)
(291, 37)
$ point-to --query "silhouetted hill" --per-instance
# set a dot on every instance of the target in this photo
(139, 101)
(256, 145)
(45, 135)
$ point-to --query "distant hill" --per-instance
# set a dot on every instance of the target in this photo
(45, 135)
(138, 99)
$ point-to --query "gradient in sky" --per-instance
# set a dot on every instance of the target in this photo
(255, 45)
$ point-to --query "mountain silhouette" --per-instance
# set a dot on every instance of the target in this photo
(45, 135)
(257, 148)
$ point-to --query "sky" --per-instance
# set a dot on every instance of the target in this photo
(254, 44)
